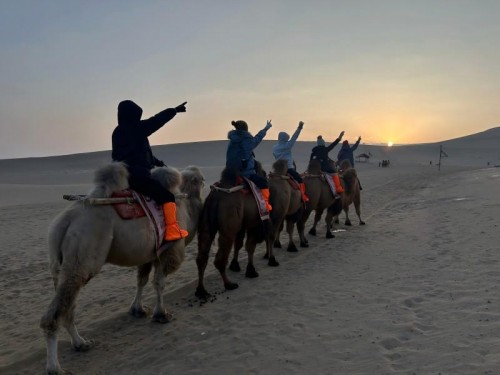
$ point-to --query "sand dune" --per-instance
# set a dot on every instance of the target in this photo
(414, 291)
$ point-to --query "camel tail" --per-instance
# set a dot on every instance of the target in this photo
(208, 224)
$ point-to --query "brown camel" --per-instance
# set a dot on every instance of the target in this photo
(233, 215)
(287, 204)
(84, 237)
(352, 193)
(320, 198)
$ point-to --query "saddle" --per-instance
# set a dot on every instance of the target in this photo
(245, 186)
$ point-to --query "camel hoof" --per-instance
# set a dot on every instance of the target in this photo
(235, 266)
(61, 371)
(162, 317)
(251, 272)
(362, 223)
(202, 293)
(330, 235)
(273, 262)
(312, 232)
(277, 244)
(348, 223)
(85, 346)
(304, 244)
(266, 256)
(140, 312)
(230, 286)
(292, 248)
(336, 221)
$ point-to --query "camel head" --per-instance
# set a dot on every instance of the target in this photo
(280, 167)
(192, 181)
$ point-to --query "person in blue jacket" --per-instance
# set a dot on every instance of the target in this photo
(283, 151)
(346, 152)
(240, 156)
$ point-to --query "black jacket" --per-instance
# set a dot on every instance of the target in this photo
(321, 153)
(130, 137)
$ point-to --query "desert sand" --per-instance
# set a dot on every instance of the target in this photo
(415, 291)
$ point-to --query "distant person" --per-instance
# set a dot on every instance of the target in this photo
(131, 146)
(283, 151)
(240, 156)
(346, 152)
(320, 153)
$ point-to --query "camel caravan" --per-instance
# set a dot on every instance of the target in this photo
(135, 219)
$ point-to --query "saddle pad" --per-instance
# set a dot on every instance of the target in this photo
(127, 210)
(331, 184)
(155, 213)
(294, 184)
(259, 199)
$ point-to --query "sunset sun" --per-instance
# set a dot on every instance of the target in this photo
(389, 143)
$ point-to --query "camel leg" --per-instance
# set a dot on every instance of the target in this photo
(221, 258)
(347, 220)
(205, 239)
(61, 309)
(289, 229)
(329, 225)
(250, 245)
(238, 244)
(317, 218)
(301, 225)
(277, 243)
(269, 235)
(137, 309)
(357, 207)
(160, 314)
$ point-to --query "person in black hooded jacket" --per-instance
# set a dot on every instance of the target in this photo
(131, 146)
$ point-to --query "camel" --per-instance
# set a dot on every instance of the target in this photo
(232, 216)
(352, 193)
(287, 204)
(84, 237)
(320, 198)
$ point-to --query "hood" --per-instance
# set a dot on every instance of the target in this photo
(283, 137)
(129, 113)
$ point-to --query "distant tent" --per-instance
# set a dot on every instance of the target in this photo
(363, 158)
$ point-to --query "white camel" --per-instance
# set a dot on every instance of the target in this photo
(83, 238)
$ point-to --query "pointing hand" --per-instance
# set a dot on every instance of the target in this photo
(181, 107)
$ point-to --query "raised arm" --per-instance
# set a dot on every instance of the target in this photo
(260, 135)
(335, 142)
(152, 124)
(295, 135)
(355, 146)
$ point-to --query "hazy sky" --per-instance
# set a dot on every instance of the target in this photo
(401, 71)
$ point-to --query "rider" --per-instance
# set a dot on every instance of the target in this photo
(131, 146)
(346, 152)
(240, 156)
(320, 153)
(283, 150)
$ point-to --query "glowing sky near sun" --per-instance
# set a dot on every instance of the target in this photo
(401, 71)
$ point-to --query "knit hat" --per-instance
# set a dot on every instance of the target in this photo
(240, 125)
(320, 141)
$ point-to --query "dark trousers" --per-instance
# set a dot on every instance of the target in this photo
(260, 181)
(295, 175)
(151, 188)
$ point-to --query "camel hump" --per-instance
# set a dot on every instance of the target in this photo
(169, 177)
(109, 178)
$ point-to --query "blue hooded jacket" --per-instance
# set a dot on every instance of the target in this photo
(283, 149)
(347, 152)
(239, 153)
